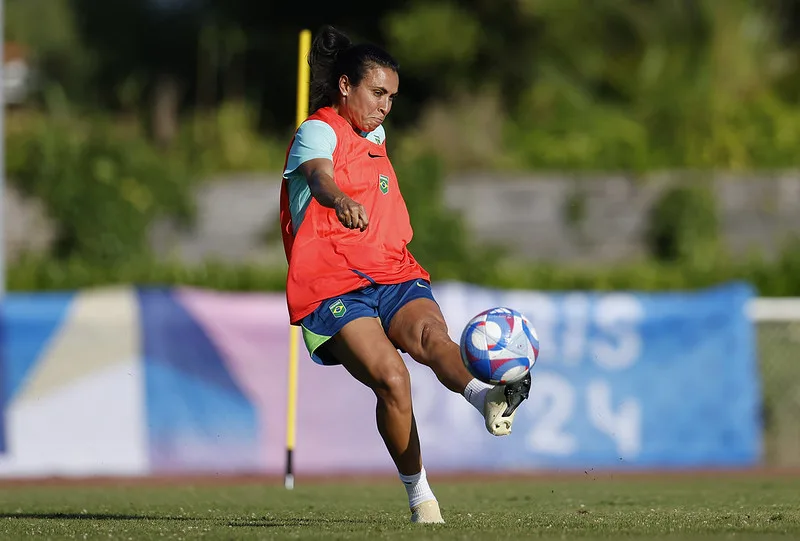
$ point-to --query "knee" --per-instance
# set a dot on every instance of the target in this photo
(393, 385)
(431, 335)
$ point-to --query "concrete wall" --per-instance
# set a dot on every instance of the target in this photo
(553, 217)
(536, 216)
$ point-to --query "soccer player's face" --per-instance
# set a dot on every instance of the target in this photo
(369, 103)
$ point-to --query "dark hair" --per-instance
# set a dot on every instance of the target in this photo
(332, 55)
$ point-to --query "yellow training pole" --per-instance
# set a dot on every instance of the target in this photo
(303, 75)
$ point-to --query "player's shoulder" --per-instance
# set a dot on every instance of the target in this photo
(315, 126)
(315, 134)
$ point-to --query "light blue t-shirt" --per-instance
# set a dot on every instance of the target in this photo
(314, 139)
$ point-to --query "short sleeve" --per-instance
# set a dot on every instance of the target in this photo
(377, 136)
(314, 139)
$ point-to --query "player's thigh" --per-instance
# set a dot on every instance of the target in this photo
(363, 348)
(331, 316)
(417, 327)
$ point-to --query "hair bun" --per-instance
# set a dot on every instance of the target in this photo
(331, 41)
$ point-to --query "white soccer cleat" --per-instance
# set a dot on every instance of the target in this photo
(493, 407)
(427, 513)
(500, 405)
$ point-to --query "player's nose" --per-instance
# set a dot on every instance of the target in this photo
(384, 105)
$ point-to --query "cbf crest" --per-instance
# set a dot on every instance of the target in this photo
(383, 184)
(337, 308)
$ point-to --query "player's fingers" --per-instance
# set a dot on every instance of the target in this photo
(346, 218)
(363, 219)
(351, 220)
(359, 217)
(356, 217)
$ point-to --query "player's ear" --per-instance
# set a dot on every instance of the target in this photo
(344, 86)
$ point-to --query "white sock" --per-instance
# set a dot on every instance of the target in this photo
(417, 488)
(475, 393)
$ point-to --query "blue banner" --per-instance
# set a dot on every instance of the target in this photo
(625, 380)
(167, 381)
(3, 385)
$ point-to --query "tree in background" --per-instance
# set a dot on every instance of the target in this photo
(141, 98)
(611, 84)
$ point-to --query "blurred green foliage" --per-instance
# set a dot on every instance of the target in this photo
(101, 186)
(562, 84)
(609, 85)
(441, 243)
(226, 139)
(104, 183)
(684, 226)
(770, 278)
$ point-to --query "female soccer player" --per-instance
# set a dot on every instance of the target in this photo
(353, 286)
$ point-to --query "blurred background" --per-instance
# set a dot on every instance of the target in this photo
(645, 146)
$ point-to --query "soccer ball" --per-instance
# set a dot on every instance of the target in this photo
(499, 346)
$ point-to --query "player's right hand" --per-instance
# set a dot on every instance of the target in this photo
(352, 215)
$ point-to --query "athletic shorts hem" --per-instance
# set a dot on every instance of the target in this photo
(381, 301)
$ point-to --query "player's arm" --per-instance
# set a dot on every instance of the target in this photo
(319, 174)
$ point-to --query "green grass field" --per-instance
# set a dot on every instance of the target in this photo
(588, 508)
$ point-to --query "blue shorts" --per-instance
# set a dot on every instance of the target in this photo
(376, 300)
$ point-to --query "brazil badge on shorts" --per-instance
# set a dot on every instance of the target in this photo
(337, 308)
(383, 184)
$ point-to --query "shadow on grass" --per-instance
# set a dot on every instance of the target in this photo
(88, 516)
(253, 523)
(293, 522)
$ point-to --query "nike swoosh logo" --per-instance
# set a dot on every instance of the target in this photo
(371, 155)
(420, 284)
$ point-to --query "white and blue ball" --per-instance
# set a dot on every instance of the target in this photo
(499, 346)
